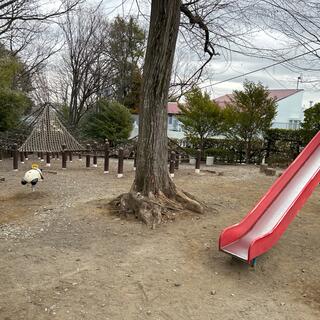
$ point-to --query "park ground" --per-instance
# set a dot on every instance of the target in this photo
(65, 255)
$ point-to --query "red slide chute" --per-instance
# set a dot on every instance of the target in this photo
(264, 225)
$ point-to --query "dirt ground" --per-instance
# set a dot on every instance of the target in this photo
(65, 256)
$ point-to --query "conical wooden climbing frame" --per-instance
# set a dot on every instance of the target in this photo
(49, 134)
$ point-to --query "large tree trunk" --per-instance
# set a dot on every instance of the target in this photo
(153, 191)
(152, 171)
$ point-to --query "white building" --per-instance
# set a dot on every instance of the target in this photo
(289, 107)
(174, 125)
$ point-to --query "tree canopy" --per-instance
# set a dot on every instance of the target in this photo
(312, 118)
(111, 121)
(311, 123)
(201, 117)
(126, 43)
(13, 98)
(249, 114)
(101, 59)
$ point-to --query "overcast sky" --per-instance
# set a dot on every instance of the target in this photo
(221, 68)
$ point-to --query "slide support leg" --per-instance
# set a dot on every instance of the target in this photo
(253, 262)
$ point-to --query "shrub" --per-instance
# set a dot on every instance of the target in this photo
(111, 121)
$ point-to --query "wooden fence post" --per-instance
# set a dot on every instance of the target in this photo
(95, 158)
(48, 159)
(198, 161)
(64, 157)
(268, 151)
(120, 163)
(172, 163)
(177, 161)
(15, 157)
(106, 156)
(21, 157)
(88, 156)
(135, 160)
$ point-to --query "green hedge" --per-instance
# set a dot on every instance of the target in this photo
(225, 150)
(301, 136)
(284, 135)
(283, 146)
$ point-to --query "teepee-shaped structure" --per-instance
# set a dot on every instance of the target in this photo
(49, 134)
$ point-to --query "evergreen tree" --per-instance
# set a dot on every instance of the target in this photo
(126, 48)
(311, 123)
(111, 121)
(201, 117)
(249, 114)
(13, 86)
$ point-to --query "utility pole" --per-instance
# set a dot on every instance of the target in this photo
(299, 80)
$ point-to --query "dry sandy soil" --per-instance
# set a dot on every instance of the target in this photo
(64, 255)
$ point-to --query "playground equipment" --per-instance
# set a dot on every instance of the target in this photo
(50, 139)
(49, 135)
(260, 230)
(104, 152)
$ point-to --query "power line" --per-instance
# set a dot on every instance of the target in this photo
(260, 69)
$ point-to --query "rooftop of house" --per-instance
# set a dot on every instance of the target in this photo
(278, 94)
(173, 108)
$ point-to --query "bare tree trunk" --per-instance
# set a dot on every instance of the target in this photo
(153, 191)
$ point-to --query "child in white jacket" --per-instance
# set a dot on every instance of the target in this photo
(32, 176)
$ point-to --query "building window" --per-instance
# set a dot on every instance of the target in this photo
(170, 119)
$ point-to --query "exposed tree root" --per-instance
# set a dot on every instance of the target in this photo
(154, 209)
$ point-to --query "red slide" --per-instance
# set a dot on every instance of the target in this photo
(264, 225)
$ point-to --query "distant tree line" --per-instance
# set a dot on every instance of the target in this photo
(92, 62)
(99, 64)
(244, 120)
(242, 129)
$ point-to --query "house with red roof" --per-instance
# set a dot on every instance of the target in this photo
(174, 125)
(289, 107)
